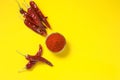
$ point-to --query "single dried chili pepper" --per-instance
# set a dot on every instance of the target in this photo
(39, 13)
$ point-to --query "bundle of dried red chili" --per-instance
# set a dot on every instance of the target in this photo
(34, 19)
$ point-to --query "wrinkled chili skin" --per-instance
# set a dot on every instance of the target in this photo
(37, 59)
(45, 61)
(39, 13)
(33, 59)
(35, 28)
(35, 17)
(30, 64)
(33, 22)
(27, 16)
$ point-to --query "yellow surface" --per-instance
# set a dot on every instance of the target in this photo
(92, 31)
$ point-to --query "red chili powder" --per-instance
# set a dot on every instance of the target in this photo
(55, 42)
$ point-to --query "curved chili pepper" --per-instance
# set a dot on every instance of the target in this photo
(39, 53)
(45, 61)
(33, 59)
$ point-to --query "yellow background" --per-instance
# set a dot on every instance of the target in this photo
(92, 32)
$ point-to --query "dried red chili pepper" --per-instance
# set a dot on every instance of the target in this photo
(33, 21)
(35, 17)
(36, 58)
(39, 13)
(30, 64)
(35, 28)
(55, 42)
